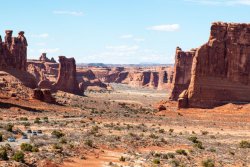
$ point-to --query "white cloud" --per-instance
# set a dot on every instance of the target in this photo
(54, 50)
(239, 2)
(221, 2)
(65, 12)
(127, 36)
(43, 35)
(166, 27)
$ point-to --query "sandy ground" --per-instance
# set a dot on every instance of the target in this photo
(221, 128)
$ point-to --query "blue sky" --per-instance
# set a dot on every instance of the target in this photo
(117, 31)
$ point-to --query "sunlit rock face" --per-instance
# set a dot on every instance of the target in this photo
(13, 51)
(221, 67)
(182, 72)
(67, 80)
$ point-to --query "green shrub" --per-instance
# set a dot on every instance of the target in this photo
(161, 131)
(18, 156)
(208, 163)
(45, 119)
(94, 130)
(9, 127)
(199, 145)
(57, 134)
(175, 163)
(1, 137)
(23, 119)
(156, 161)
(26, 124)
(26, 147)
(153, 136)
(122, 159)
(57, 146)
(193, 139)
(244, 144)
(171, 155)
(181, 152)
(171, 130)
(37, 121)
(204, 132)
(89, 143)
(35, 149)
(3, 154)
(63, 141)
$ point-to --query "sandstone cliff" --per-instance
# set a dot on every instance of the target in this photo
(221, 67)
(182, 72)
(154, 77)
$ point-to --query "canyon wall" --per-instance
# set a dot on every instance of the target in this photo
(154, 77)
(221, 68)
(182, 72)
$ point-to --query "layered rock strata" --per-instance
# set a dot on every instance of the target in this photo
(182, 72)
(220, 71)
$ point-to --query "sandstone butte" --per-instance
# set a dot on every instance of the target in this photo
(220, 71)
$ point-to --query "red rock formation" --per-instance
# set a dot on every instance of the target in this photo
(221, 67)
(13, 51)
(43, 95)
(155, 78)
(66, 80)
(164, 80)
(182, 72)
(87, 80)
(16, 83)
(44, 58)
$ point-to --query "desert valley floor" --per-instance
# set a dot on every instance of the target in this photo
(123, 128)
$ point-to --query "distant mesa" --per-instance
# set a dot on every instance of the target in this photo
(159, 77)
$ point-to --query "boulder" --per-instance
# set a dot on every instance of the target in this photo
(43, 95)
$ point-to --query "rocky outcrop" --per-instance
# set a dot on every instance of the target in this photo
(47, 73)
(182, 72)
(87, 80)
(43, 95)
(13, 51)
(66, 80)
(221, 67)
(16, 83)
(44, 58)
